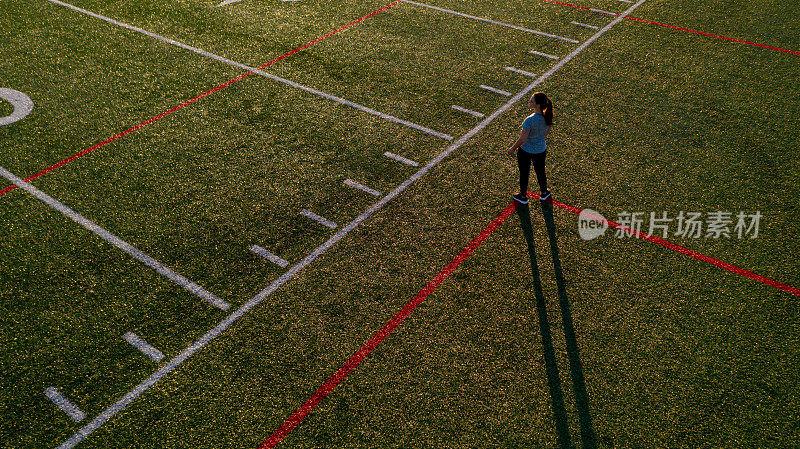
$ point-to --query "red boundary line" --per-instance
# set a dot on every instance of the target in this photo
(293, 421)
(738, 41)
(683, 250)
(298, 416)
(190, 101)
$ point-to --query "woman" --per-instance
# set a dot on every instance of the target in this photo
(531, 146)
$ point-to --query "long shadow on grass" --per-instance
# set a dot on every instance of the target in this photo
(575, 365)
(553, 379)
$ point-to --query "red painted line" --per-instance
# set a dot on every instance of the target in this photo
(199, 97)
(298, 416)
(739, 41)
(683, 250)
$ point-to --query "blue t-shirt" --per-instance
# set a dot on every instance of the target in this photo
(535, 124)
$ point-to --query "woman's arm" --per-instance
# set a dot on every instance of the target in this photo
(523, 136)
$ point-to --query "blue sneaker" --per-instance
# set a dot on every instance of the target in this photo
(546, 196)
(521, 199)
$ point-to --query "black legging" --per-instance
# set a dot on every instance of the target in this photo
(524, 162)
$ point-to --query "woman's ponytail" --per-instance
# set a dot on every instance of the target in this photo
(541, 99)
(548, 113)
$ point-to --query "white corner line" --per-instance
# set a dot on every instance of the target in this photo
(227, 2)
(521, 72)
(497, 91)
(538, 53)
(493, 22)
(146, 348)
(269, 256)
(116, 241)
(64, 404)
(232, 63)
(318, 218)
(585, 25)
(399, 158)
(468, 111)
(170, 366)
(355, 185)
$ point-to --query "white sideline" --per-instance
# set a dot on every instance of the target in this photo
(64, 404)
(159, 374)
(269, 256)
(355, 185)
(146, 348)
(116, 241)
(333, 98)
(539, 33)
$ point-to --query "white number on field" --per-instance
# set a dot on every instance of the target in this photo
(23, 105)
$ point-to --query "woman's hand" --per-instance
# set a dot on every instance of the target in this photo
(511, 151)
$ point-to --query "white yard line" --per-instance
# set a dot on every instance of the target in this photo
(64, 404)
(146, 348)
(538, 53)
(318, 218)
(521, 72)
(116, 241)
(399, 158)
(497, 91)
(269, 256)
(585, 25)
(224, 60)
(355, 185)
(468, 111)
(493, 22)
(159, 374)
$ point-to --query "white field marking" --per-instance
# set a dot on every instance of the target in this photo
(468, 111)
(259, 72)
(227, 2)
(355, 185)
(116, 241)
(625, 1)
(148, 349)
(521, 72)
(64, 404)
(159, 374)
(539, 33)
(585, 25)
(399, 158)
(497, 91)
(319, 219)
(269, 256)
(603, 12)
(23, 105)
(538, 53)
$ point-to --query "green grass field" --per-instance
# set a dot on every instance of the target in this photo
(673, 351)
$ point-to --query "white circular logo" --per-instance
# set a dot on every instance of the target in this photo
(591, 224)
